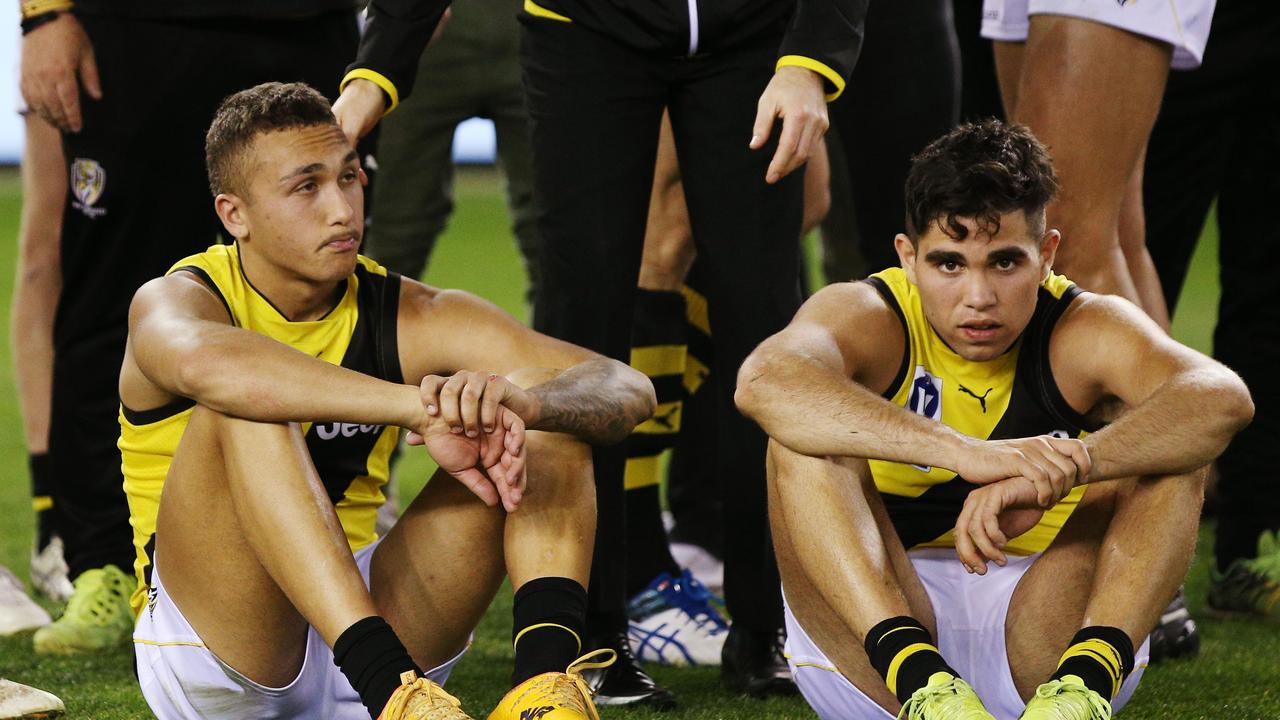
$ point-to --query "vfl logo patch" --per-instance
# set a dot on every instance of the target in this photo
(925, 399)
(88, 180)
(982, 399)
(535, 713)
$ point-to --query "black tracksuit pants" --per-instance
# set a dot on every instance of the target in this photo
(595, 106)
(1218, 136)
(139, 201)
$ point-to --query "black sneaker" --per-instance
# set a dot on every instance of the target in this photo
(624, 682)
(752, 663)
(1175, 635)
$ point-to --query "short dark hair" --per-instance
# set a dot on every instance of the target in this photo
(979, 170)
(260, 109)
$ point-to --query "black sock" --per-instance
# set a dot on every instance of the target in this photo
(372, 658)
(658, 336)
(905, 643)
(41, 498)
(550, 620)
(1101, 656)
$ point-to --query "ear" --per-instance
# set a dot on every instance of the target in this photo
(364, 178)
(231, 211)
(1048, 250)
(906, 255)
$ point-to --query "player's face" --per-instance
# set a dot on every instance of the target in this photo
(979, 293)
(305, 205)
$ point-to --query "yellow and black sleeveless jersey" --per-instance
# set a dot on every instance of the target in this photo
(1011, 396)
(351, 459)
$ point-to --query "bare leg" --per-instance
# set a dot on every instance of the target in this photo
(39, 278)
(1009, 58)
(817, 190)
(1133, 242)
(437, 571)
(862, 574)
(243, 501)
(1118, 562)
(1090, 92)
(668, 240)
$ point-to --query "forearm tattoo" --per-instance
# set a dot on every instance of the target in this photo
(589, 401)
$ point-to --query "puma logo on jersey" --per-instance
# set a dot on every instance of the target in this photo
(668, 419)
(535, 713)
(329, 431)
(982, 399)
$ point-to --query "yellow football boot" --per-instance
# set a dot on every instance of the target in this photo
(944, 698)
(554, 696)
(418, 698)
(97, 617)
(1066, 699)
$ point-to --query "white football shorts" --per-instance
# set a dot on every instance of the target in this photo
(181, 678)
(1184, 24)
(970, 610)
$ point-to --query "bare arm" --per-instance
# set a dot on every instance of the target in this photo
(181, 343)
(1183, 407)
(569, 389)
(813, 388)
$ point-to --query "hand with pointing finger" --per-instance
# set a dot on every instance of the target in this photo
(794, 95)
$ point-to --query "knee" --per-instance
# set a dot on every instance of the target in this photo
(562, 461)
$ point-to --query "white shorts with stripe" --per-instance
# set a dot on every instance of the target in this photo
(1184, 24)
(181, 678)
(970, 611)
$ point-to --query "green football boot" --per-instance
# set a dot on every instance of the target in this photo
(944, 698)
(1250, 586)
(1066, 699)
(97, 617)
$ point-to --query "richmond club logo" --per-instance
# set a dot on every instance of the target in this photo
(88, 180)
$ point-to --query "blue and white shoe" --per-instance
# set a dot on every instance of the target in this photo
(675, 622)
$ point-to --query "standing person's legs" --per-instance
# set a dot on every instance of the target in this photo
(511, 123)
(37, 284)
(904, 93)
(1247, 338)
(747, 233)
(1095, 113)
(413, 198)
(594, 133)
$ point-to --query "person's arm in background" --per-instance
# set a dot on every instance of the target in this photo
(395, 34)
(815, 61)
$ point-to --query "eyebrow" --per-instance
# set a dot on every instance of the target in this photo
(1008, 253)
(938, 257)
(315, 167)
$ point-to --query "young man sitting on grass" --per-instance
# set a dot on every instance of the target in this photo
(263, 389)
(974, 404)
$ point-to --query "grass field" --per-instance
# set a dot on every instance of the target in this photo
(1236, 677)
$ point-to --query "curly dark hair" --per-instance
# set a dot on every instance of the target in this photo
(980, 171)
(260, 109)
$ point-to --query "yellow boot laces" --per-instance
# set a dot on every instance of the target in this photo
(420, 699)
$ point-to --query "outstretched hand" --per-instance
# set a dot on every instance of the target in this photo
(796, 96)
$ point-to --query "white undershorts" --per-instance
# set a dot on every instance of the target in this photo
(181, 678)
(1184, 24)
(970, 611)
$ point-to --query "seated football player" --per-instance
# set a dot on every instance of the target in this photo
(984, 483)
(263, 389)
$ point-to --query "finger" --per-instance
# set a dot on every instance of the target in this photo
(784, 157)
(494, 392)
(430, 388)
(991, 527)
(69, 98)
(450, 396)
(1078, 453)
(964, 546)
(89, 74)
(763, 126)
(977, 531)
(479, 485)
(469, 403)
(413, 438)
(1065, 476)
(1034, 470)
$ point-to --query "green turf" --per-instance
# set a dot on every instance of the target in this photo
(1236, 677)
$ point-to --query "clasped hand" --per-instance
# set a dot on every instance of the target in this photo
(472, 426)
(1020, 479)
